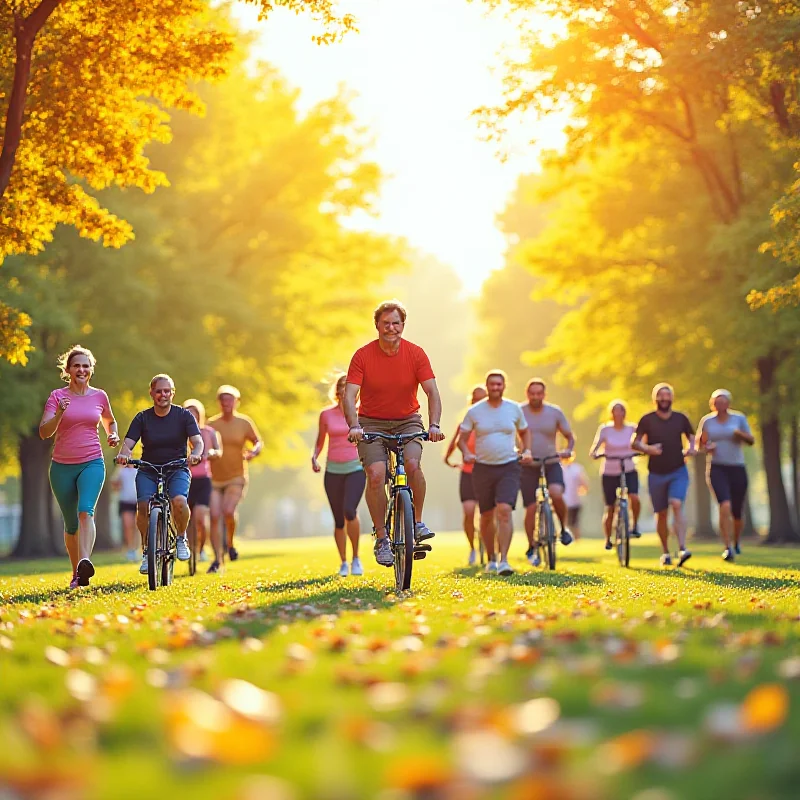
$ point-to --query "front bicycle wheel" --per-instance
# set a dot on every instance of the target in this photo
(168, 564)
(623, 535)
(403, 539)
(153, 560)
(547, 525)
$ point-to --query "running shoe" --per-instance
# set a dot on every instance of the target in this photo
(423, 532)
(685, 555)
(84, 572)
(233, 553)
(74, 583)
(344, 570)
(383, 552)
(183, 549)
(202, 556)
(214, 568)
(505, 569)
(473, 557)
(609, 546)
(635, 534)
(737, 550)
(356, 568)
(727, 554)
(132, 556)
(536, 560)
(566, 536)
(491, 567)
(666, 560)
(143, 565)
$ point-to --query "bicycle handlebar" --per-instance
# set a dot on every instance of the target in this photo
(547, 459)
(177, 464)
(616, 458)
(398, 438)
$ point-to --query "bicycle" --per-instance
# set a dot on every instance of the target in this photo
(161, 534)
(622, 522)
(544, 514)
(400, 518)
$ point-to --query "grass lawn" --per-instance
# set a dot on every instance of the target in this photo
(278, 680)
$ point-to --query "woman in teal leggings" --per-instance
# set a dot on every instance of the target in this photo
(78, 471)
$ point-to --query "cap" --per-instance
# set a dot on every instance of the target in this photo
(228, 389)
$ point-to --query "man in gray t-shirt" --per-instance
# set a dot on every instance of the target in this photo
(545, 422)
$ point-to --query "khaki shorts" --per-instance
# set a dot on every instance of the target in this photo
(222, 486)
(375, 452)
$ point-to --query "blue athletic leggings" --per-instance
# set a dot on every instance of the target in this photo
(76, 488)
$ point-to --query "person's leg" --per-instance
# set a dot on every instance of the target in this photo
(658, 487)
(334, 489)
(608, 521)
(484, 484)
(505, 495)
(679, 521)
(353, 492)
(376, 496)
(231, 498)
(636, 508)
(662, 527)
(201, 516)
(574, 521)
(89, 484)
(180, 514)
(416, 480)
(528, 481)
(215, 513)
(129, 529)
(726, 524)
(489, 534)
(557, 496)
(678, 488)
(738, 495)
(609, 484)
(505, 529)
(63, 482)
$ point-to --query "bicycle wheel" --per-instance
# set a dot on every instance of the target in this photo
(623, 535)
(153, 560)
(191, 534)
(168, 564)
(403, 539)
(547, 525)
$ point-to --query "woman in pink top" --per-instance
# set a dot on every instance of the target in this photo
(344, 477)
(614, 439)
(77, 471)
(200, 488)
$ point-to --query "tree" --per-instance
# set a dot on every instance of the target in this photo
(682, 139)
(242, 272)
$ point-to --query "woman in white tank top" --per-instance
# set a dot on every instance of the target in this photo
(614, 439)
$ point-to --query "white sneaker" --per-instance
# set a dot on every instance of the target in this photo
(344, 570)
(143, 565)
(202, 557)
(183, 549)
(356, 568)
(504, 568)
(132, 556)
(491, 567)
(473, 557)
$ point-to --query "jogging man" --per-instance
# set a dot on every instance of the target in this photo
(229, 472)
(388, 373)
(496, 423)
(545, 421)
(659, 435)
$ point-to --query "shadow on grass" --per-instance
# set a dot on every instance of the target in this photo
(95, 590)
(305, 583)
(536, 577)
(724, 579)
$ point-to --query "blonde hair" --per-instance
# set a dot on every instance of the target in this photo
(162, 376)
(65, 360)
(333, 392)
(201, 409)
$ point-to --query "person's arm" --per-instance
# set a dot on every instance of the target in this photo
(525, 438)
(215, 451)
(583, 481)
(351, 391)
(703, 445)
(319, 444)
(743, 432)
(598, 440)
(196, 456)
(131, 437)
(255, 440)
(110, 424)
(639, 443)
(434, 409)
(465, 429)
(116, 479)
(688, 431)
(451, 448)
(566, 432)
(53, 412)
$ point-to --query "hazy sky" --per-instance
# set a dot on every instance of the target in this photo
(419, 68)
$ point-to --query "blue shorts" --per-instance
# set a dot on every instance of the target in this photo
(672, 486)
(177, 483)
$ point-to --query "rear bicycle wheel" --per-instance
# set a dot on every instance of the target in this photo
(623, 535)
(153, 561)
(548, 527)
(403, 539)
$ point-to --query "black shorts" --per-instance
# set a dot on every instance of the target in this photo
(573, 515)
(465, 488)
(729, 484)
(530, 481)
(200, 492)
(611, 484)
(496, 483)
(123, 507)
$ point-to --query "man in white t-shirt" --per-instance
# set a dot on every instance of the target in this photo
(495, 476)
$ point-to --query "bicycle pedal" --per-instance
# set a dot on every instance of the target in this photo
(422, 548)
(420, 554)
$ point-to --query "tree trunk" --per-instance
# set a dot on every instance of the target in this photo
(749, 529)
(25, 31)
(704, 528)
(781, 529)
(40, 535)
(794, 445)
(102, 521)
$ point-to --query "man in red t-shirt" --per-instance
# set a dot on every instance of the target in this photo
(388, 372)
